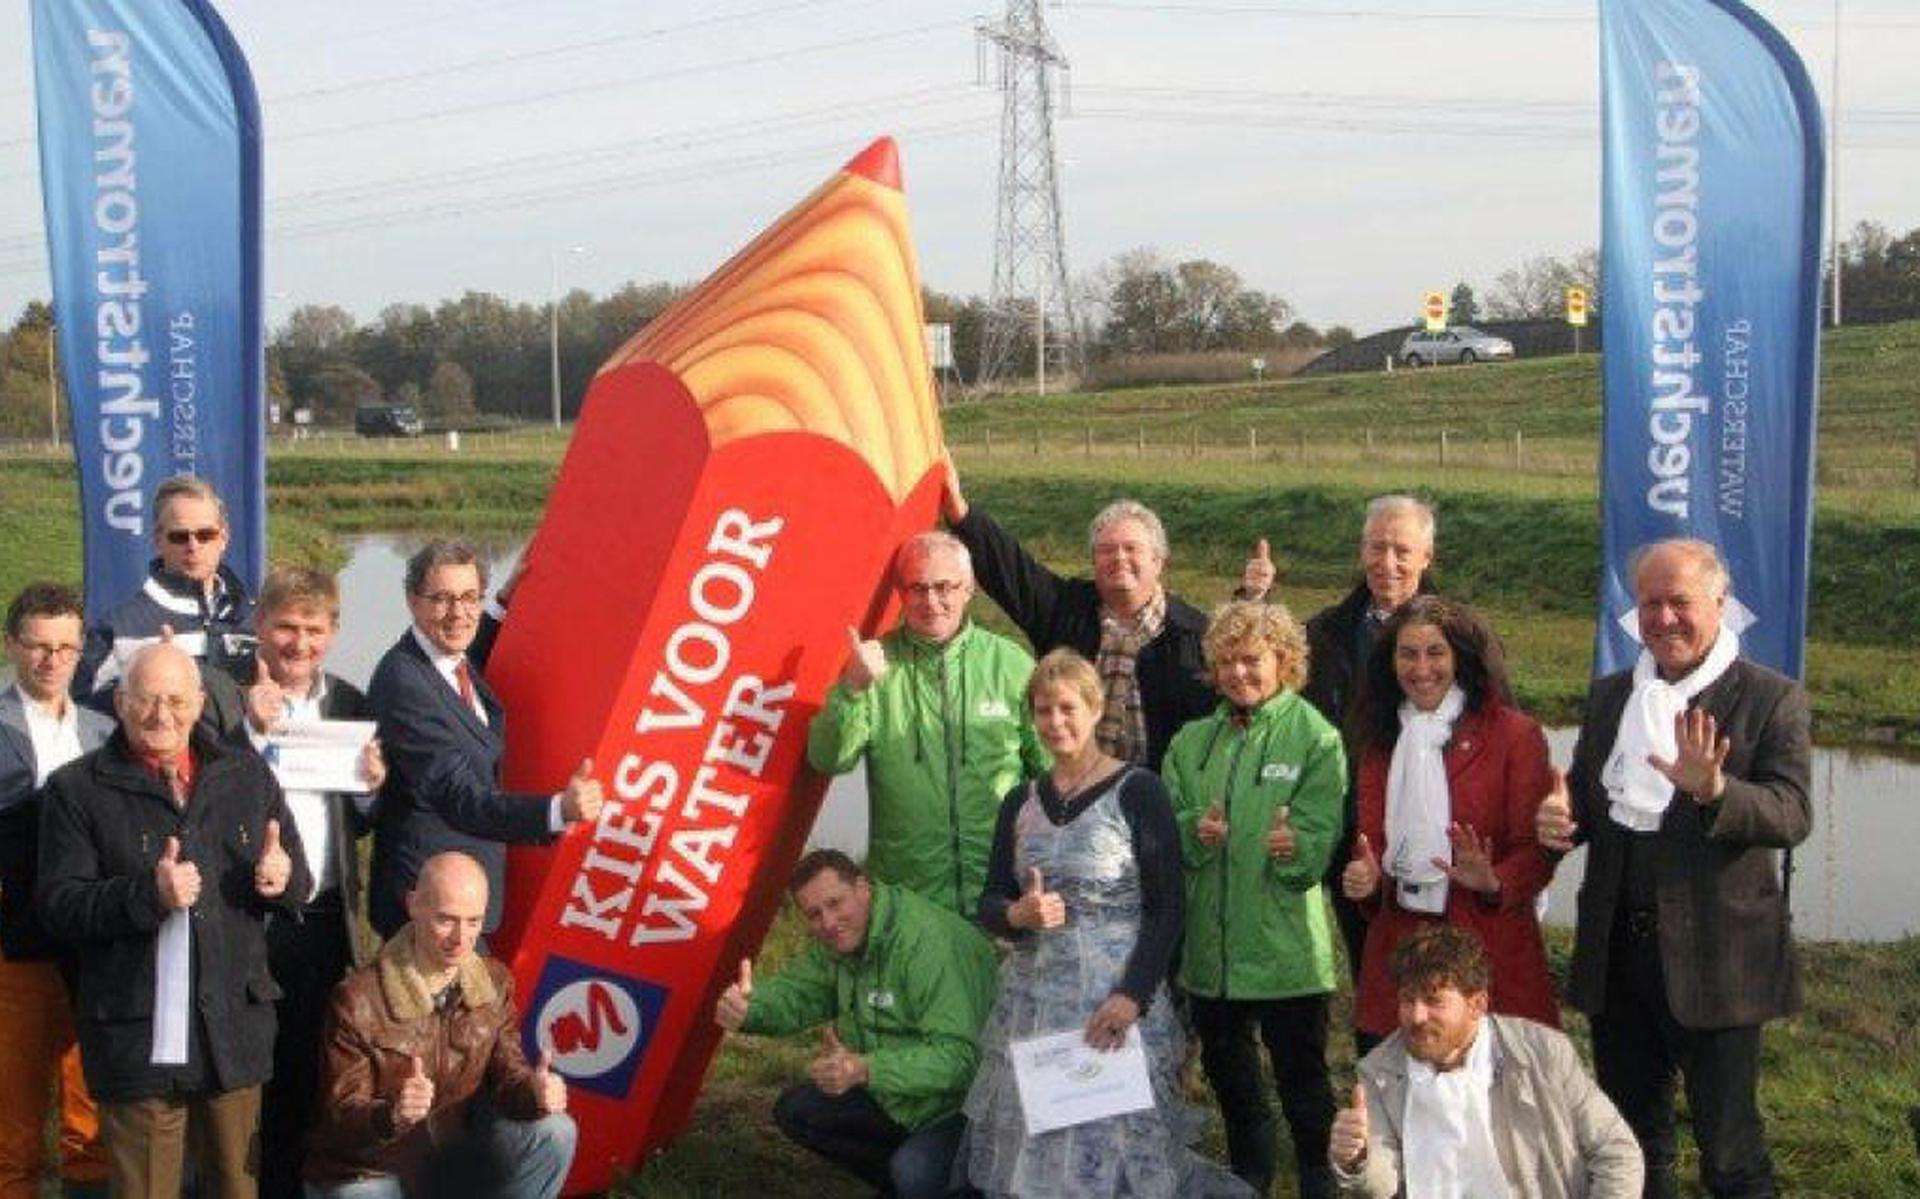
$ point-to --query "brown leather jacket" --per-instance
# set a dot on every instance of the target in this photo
(383, 1017)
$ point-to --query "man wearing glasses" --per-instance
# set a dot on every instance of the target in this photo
(189, 592)
(41, 729)
(444, 732)
(938, 709)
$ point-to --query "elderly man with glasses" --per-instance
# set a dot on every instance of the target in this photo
(444, 731)
(938, 710)
(160, 855)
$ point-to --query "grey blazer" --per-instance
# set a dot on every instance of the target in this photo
(1725, 932)
(20, 936)
(1558, 1136)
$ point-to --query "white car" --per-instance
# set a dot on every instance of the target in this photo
(1457, 343)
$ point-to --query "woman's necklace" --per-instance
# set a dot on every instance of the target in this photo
(1068, 790)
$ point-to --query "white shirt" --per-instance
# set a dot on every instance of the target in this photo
(56, 739)
(309, 808)
(446, 664)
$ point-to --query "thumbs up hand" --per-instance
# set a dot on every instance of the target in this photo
(549, 1088)
(583, 799)
(837, 1069)
(415, 1099)
(1256, 578)
(271, 872)
(1211, 828)
(1362, 875)
(1553, 825)
(178, 881)
(1348, 1145)
(1281, 842)
(266, 699)
(731, 1012)
(866, 662)
(953, 504)
(1037, 907)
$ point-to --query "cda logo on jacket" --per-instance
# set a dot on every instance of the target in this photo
(596, 1025)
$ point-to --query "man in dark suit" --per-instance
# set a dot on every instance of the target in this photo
(41, 729)
(443, 732)
(309, 951)
(1691, 774)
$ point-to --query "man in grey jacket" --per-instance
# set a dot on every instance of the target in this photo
(1458, 1103)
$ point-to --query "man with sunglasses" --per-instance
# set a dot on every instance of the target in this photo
(188, 592)
(938, 710)
(443, 732)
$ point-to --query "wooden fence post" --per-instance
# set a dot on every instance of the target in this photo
(1253, 444)
(1443, 447)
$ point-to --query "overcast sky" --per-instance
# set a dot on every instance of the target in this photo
(1347, 155)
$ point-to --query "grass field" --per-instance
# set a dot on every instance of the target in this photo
(1836, 1084)
(1519, 537)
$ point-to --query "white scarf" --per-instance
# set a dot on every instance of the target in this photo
(1639, 793)
(1419, 804)
(1447, 1150)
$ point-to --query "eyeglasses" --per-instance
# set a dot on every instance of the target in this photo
(147, 705)
(443, 601)
(203, 536)
(939, 589)
(56, 653)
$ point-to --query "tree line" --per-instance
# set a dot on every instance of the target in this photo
(484, 356)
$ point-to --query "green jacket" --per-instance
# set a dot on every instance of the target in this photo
(945, 734)
(911, 1003)
(1258, 928)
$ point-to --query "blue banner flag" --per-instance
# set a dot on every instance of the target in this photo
(1710, 264)
(150, 169)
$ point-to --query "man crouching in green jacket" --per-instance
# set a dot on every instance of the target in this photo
(901, 988)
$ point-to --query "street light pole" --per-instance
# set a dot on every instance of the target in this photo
(553, 323)
(1833, 166)
(53, 393)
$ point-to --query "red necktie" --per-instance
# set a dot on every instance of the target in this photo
(464, 678)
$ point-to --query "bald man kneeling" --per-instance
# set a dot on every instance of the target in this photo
(424, 1089)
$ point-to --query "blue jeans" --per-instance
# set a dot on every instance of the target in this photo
(511, 1159)
(851, 1131)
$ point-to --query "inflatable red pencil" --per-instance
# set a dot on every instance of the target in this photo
(740, 477)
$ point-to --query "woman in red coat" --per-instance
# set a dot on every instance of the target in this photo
(1450, 775)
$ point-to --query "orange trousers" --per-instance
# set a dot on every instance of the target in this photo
(37, 1051)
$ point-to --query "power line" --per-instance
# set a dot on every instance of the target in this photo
(560, 51)
(486, 170)
(661, 173)
(390, 119)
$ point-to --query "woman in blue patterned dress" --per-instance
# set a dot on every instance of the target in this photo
(1085, 882)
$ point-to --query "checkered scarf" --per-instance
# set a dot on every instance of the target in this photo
(1122, 731)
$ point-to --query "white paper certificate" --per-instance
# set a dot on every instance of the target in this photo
(1063, 1081)
(320, 755)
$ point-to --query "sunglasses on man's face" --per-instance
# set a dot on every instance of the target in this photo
(203, 536)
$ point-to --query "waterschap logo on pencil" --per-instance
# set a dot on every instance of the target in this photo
(596, 1025)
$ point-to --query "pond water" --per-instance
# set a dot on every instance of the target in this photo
(1852, 881)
